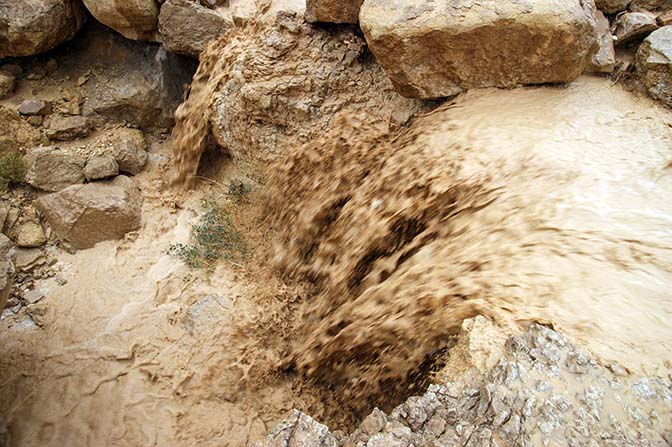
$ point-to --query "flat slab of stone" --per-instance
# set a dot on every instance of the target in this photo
(440, 49)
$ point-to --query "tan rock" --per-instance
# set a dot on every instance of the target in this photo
(604, 61)
(654, 64)
(15, 133)
(30, 235)
(53, 169)
(66, 128)
(83, 215)
(7, 83)
(433, 50)
(186, 27)
(101, 167)
(127, 147)
(7, 272)
(612, 6)
(30, 27)
(334, 11)
(632, 26)
(134, 19)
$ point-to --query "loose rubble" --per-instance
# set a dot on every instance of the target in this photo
(543, 391)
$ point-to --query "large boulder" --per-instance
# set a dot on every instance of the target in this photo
(30, 27)
(133, 19)
(83, 215)
(53, 169)
(186, 27)
(333, 11)
(433, 50)
(654, 64)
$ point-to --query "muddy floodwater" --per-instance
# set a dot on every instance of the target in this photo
(567, 221)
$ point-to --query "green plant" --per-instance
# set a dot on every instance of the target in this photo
(12, 169)
(213, 238)
(238, 190)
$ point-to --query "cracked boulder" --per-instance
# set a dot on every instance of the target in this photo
(53, 169)
(83, 215)
(440, 49)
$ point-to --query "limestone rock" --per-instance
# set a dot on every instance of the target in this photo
(612, 6)
(101, 167)
(654, 64)
(7, 83)
(604, 61)
(433, 50)
(15, 133)
(334, 11)
(53, 169)
(30, 235)
(83, 215)
(186, 27)
(133, 19)
(632, 26)
(30, 27)
(66, 128)
(34, 107)
(299, 430)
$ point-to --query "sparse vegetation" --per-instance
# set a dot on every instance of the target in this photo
(238, 190)
(12, 170)
(214, 238)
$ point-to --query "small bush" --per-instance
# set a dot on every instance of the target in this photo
(12, 170)
(213, 238)
(238, 190)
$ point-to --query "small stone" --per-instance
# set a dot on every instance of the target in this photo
(33, 296)
(101, 167)
(66, 128)
(51, 65)
(374, 423)
(35, 120)
(34, 107)
(7, 83)
(30, 235)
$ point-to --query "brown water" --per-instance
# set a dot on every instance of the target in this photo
(537, 204)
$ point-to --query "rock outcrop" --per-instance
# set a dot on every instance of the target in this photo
(53, 169)
(186, 27)
(654, 64)
(30, 27)
(334, 11)
(433, 50)
(83, 215)
(133, 19)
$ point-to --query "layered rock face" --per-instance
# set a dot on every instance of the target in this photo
(134, 19)
(333, 11)
(654, 64)
(433, 50)
(30, 27)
